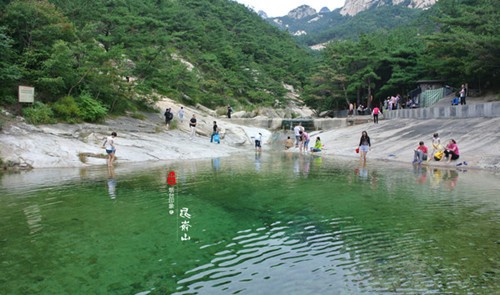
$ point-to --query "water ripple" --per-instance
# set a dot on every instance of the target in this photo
(273, 249)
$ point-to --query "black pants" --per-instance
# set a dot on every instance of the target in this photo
(462, 100)
(453, 155)
(375, 118)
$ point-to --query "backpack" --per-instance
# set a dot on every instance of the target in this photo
(438, 155)
(169, 115)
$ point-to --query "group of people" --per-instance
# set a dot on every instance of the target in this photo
(392, 102)
(361, 110)
(169, 116)
(460, 97)
(302, 140)
(449, 153)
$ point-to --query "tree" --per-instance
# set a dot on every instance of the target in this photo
(467, 45)
(9, 71)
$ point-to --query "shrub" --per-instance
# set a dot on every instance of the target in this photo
(67, 109)
(138, 116)
(173, 124)
(221, 111)
(91, 109)
(39, 113)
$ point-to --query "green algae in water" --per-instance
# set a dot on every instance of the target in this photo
(282, 224)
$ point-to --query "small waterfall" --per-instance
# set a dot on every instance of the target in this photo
(278, 138)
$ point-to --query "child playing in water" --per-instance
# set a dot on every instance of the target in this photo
(288, 143)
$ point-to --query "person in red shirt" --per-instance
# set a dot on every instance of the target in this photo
(375, 112)
(451, 152)
(420, 153)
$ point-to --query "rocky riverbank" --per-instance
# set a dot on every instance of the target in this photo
(394, 140)
(25, 146)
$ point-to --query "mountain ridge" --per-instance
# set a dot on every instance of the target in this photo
(348, 22)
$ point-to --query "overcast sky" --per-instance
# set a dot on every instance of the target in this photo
(275, 8)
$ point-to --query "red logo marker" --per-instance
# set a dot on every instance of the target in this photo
(171, 178)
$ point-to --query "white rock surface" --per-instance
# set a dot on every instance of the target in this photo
(60, 145)
(353, 7)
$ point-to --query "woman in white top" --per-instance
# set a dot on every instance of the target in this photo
(110, 147)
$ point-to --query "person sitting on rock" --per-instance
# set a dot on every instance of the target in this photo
(420, 153)
(451, 151)
(318, 146)
(361, 110)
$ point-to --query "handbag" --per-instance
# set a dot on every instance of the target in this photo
(357, 150)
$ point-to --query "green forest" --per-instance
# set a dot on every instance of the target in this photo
(456, 41)
(92, 58)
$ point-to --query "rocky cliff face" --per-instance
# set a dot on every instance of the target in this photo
(262, 14)
(353, 7)
(324, 10)
(302, 12)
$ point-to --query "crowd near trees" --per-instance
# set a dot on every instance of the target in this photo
(91, 58)
(456, 41)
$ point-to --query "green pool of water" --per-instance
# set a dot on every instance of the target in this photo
(252, 224)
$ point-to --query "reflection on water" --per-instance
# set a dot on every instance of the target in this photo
(257, 160)
(216, 164)
(254, 224)
(33, 218)
(111, 182)
(438, 176)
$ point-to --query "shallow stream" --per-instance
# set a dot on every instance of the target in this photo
(251, 224)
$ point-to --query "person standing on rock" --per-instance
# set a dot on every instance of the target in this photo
(297, 130)
(364, 146)
(229, 111)
(258, 142)
(109, 145)
(214, 133)
(304, 141)
(181, 114)
(463, 94)
(375, 112)
(192, 125)
(436, 145)
(168, 117)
